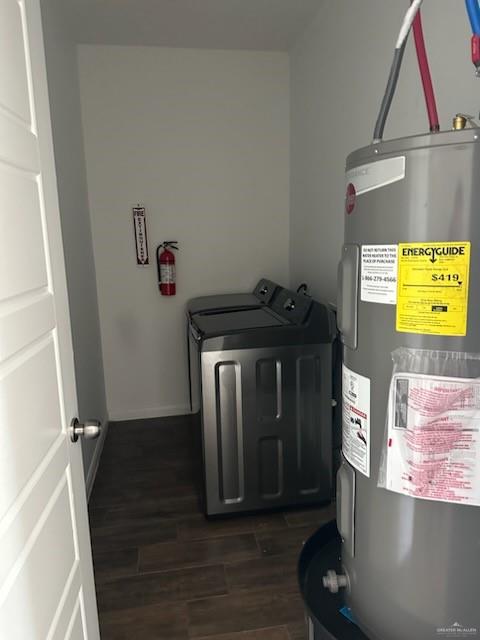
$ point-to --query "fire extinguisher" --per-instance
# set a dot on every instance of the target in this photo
(166, 267)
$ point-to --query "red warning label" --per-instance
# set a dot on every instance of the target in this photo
(350, 199)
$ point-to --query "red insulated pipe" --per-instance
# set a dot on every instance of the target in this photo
(425, 74)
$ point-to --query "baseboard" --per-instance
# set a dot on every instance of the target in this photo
(155, 412)
(95, 461)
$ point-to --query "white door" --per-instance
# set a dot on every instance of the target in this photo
(46, 578)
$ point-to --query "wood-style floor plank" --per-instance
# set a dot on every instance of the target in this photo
(199, 527)
(111, 494)
(96, 516)
(158, 588)
(141, 531)
(243, 612)
(273, 573)
(273, 633)
(298, 630)
(150, 479)
(169, 509)
(291, 540)
(161, 557)
(113, 564)
(158, 622)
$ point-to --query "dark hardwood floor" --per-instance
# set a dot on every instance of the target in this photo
(163, 571)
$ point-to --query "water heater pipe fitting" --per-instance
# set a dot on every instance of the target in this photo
(334, 581)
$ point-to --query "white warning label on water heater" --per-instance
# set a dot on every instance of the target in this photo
(379, 273)
(433, 446)
(356, 420)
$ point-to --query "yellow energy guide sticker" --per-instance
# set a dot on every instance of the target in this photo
(432, 290)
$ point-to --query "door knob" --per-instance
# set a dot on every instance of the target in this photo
(90, 429)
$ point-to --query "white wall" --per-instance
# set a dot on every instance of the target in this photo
(338, 74)
(64, 95)
(202, 139)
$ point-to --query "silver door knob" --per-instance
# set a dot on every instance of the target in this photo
(90, 429)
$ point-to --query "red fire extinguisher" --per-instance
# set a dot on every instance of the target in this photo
(166, 267)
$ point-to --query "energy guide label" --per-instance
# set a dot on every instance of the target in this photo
(356, 420)
(433, 447)
(432, 293)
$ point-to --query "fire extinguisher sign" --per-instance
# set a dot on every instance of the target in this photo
(140, 229)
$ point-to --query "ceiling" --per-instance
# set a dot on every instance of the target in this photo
(214, 24)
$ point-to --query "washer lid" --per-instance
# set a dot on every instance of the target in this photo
(217, 323)
(221, 302)
(263, 294)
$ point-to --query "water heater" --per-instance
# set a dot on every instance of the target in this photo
(409, 316)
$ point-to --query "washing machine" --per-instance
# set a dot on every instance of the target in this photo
(263, 378)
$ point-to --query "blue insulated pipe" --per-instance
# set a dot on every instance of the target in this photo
(473, 10)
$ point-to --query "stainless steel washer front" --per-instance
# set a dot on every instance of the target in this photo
(266, 427)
